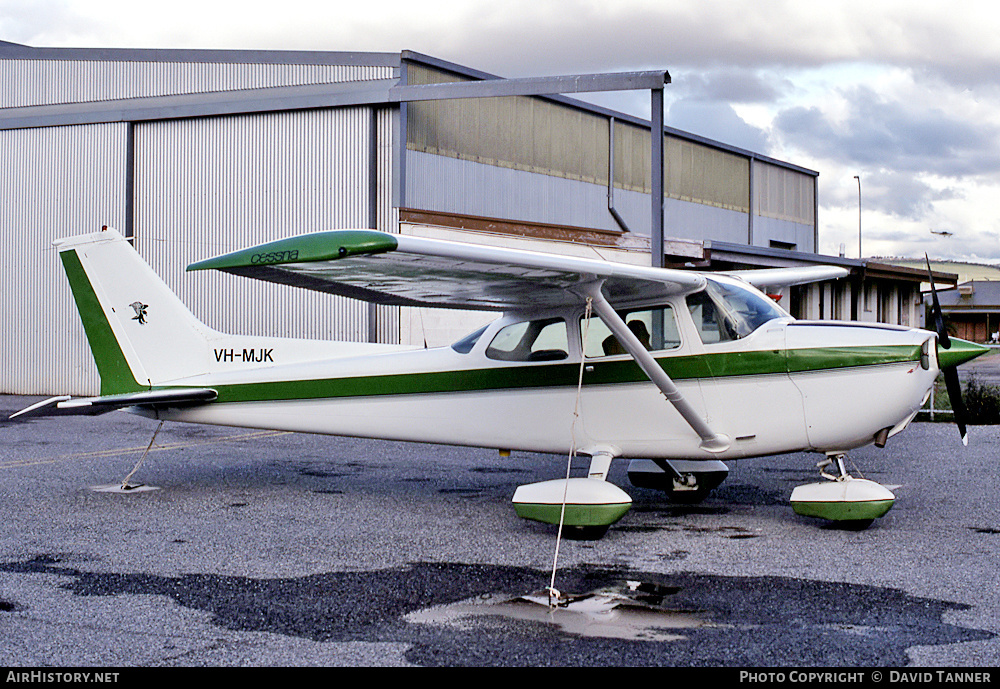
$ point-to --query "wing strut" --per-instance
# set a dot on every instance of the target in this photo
(710, 440)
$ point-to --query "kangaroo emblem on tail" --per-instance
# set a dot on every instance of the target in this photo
(140, 312)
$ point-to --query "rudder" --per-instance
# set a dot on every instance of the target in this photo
(139, 331)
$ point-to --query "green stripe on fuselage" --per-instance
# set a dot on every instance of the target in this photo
(116, 376)
(722, 365)
(823, 358)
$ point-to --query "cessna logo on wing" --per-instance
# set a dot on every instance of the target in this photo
(140, 312)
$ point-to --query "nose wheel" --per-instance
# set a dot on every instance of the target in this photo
(836, 462)
(847, 502)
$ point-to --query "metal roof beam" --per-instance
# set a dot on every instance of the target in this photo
(272, 99)
(308, 96)
(532, 86)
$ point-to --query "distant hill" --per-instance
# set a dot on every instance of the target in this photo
(965, 271)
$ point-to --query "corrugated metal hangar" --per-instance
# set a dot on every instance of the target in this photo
(194, 153)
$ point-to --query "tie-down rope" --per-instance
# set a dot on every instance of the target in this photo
(125, 483)
(553, 592)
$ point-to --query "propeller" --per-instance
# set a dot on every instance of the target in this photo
(950, 372)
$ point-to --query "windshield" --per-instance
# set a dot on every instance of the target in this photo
(465, 345)
(724, 311)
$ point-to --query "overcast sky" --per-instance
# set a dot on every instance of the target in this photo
(906, 95)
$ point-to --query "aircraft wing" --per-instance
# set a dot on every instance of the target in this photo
(417, 271)
(785, 277)
(92, 406)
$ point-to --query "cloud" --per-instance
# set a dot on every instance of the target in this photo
(960, 43)
(889, 134)
(718, 121)
(898, 194)
(904, 195)
(902, 92)
(730, 85)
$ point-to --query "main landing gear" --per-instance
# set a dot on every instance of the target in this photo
(585, 507)
(850, 503)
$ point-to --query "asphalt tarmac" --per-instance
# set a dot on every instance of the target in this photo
(273, 549)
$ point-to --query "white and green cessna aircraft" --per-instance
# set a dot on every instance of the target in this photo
(579, 361)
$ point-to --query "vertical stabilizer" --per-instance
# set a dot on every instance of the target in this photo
(139, 332)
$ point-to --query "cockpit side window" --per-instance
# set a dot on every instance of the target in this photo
(656, 329)
(723, 312)
(541, 340)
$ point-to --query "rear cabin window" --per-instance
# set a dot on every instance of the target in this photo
(656, 329)
(541, 340)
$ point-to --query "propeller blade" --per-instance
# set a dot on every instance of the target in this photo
(957, 403)
(939, 327)
(950, 372)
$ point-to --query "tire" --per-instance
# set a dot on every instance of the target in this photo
(687, 497)
(584, 533)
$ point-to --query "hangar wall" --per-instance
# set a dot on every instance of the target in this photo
(452, 185)
(213, 185)
(190, 186)
(539, 159)
(186, 189)
(56, 181)
(69, 76)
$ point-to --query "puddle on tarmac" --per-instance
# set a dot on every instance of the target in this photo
(633, 612)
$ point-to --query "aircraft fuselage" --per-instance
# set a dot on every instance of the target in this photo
(786, 386)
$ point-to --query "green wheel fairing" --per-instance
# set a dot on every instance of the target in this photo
(116, 375)
(576, 515)
(844, 511)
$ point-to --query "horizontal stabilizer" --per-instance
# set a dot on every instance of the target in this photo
(92, 406)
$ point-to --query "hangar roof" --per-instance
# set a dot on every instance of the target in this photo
(282, 57)
(283, 97)
(971, 296)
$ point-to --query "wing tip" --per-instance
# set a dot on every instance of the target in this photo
(316, 246)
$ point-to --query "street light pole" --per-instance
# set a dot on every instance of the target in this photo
(860, 255)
